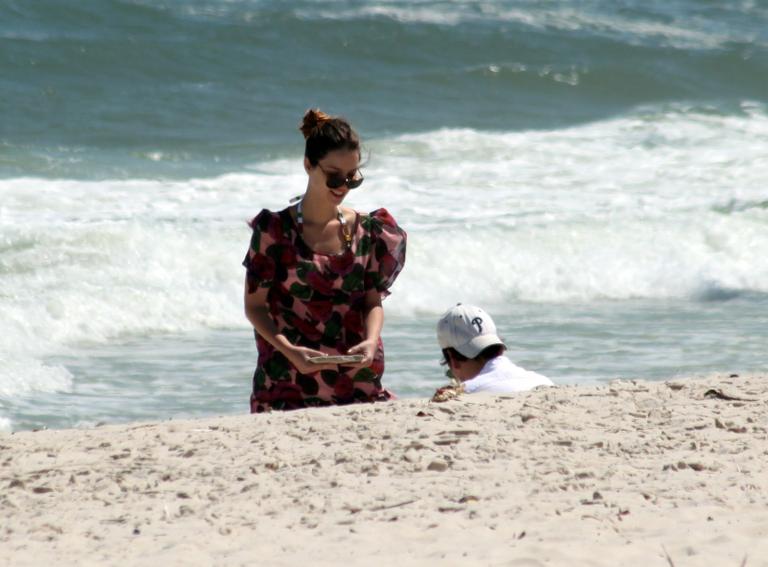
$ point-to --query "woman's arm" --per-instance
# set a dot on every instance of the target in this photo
(257, 312)
(374, 321)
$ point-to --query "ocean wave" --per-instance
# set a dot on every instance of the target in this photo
(619, 209)
(682, 26)
(22, 374)
(120, 89)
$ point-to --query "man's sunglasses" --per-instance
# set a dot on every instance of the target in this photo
(334, 180)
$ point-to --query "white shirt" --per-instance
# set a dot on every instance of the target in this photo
(502, 376)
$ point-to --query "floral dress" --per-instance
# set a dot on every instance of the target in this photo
(318, 301)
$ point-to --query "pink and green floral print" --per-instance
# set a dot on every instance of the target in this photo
(318, 301)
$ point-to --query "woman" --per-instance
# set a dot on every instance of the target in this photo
(316, 273)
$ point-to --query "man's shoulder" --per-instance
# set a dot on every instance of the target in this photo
(501, 375)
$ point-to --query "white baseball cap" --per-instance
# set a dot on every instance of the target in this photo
(468, 329)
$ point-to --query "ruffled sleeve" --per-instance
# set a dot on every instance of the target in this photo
(387, 255)
(260, 267)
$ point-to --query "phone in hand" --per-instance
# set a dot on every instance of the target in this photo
(337, 359)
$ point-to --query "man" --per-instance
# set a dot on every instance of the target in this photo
(475, 354)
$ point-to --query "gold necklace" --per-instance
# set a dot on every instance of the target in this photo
(345, 230)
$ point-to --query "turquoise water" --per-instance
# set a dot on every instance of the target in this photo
(593, 174)
(185, 88)
(203, 374)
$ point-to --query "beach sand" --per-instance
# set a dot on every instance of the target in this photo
(626, 473)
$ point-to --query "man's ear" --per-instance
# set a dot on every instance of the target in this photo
(307, 165)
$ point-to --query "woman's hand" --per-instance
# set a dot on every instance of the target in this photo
(368, 349)
(299, 357)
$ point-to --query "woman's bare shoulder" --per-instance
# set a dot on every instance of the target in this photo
(350, 215)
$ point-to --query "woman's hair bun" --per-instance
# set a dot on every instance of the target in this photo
(314, 118)
(324, 133)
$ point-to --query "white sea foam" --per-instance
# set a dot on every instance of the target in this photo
(23, 375)
(671, 27)
(663, 203)
(627, 208)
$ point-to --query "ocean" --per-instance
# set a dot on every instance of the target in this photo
(594, 174)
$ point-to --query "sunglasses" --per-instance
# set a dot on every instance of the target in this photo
(334, 180)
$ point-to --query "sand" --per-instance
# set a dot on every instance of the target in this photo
(626, 473)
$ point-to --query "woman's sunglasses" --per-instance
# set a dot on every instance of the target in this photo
(334, 180)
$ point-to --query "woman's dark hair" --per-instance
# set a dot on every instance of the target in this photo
(325, 133)
(485, 355)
